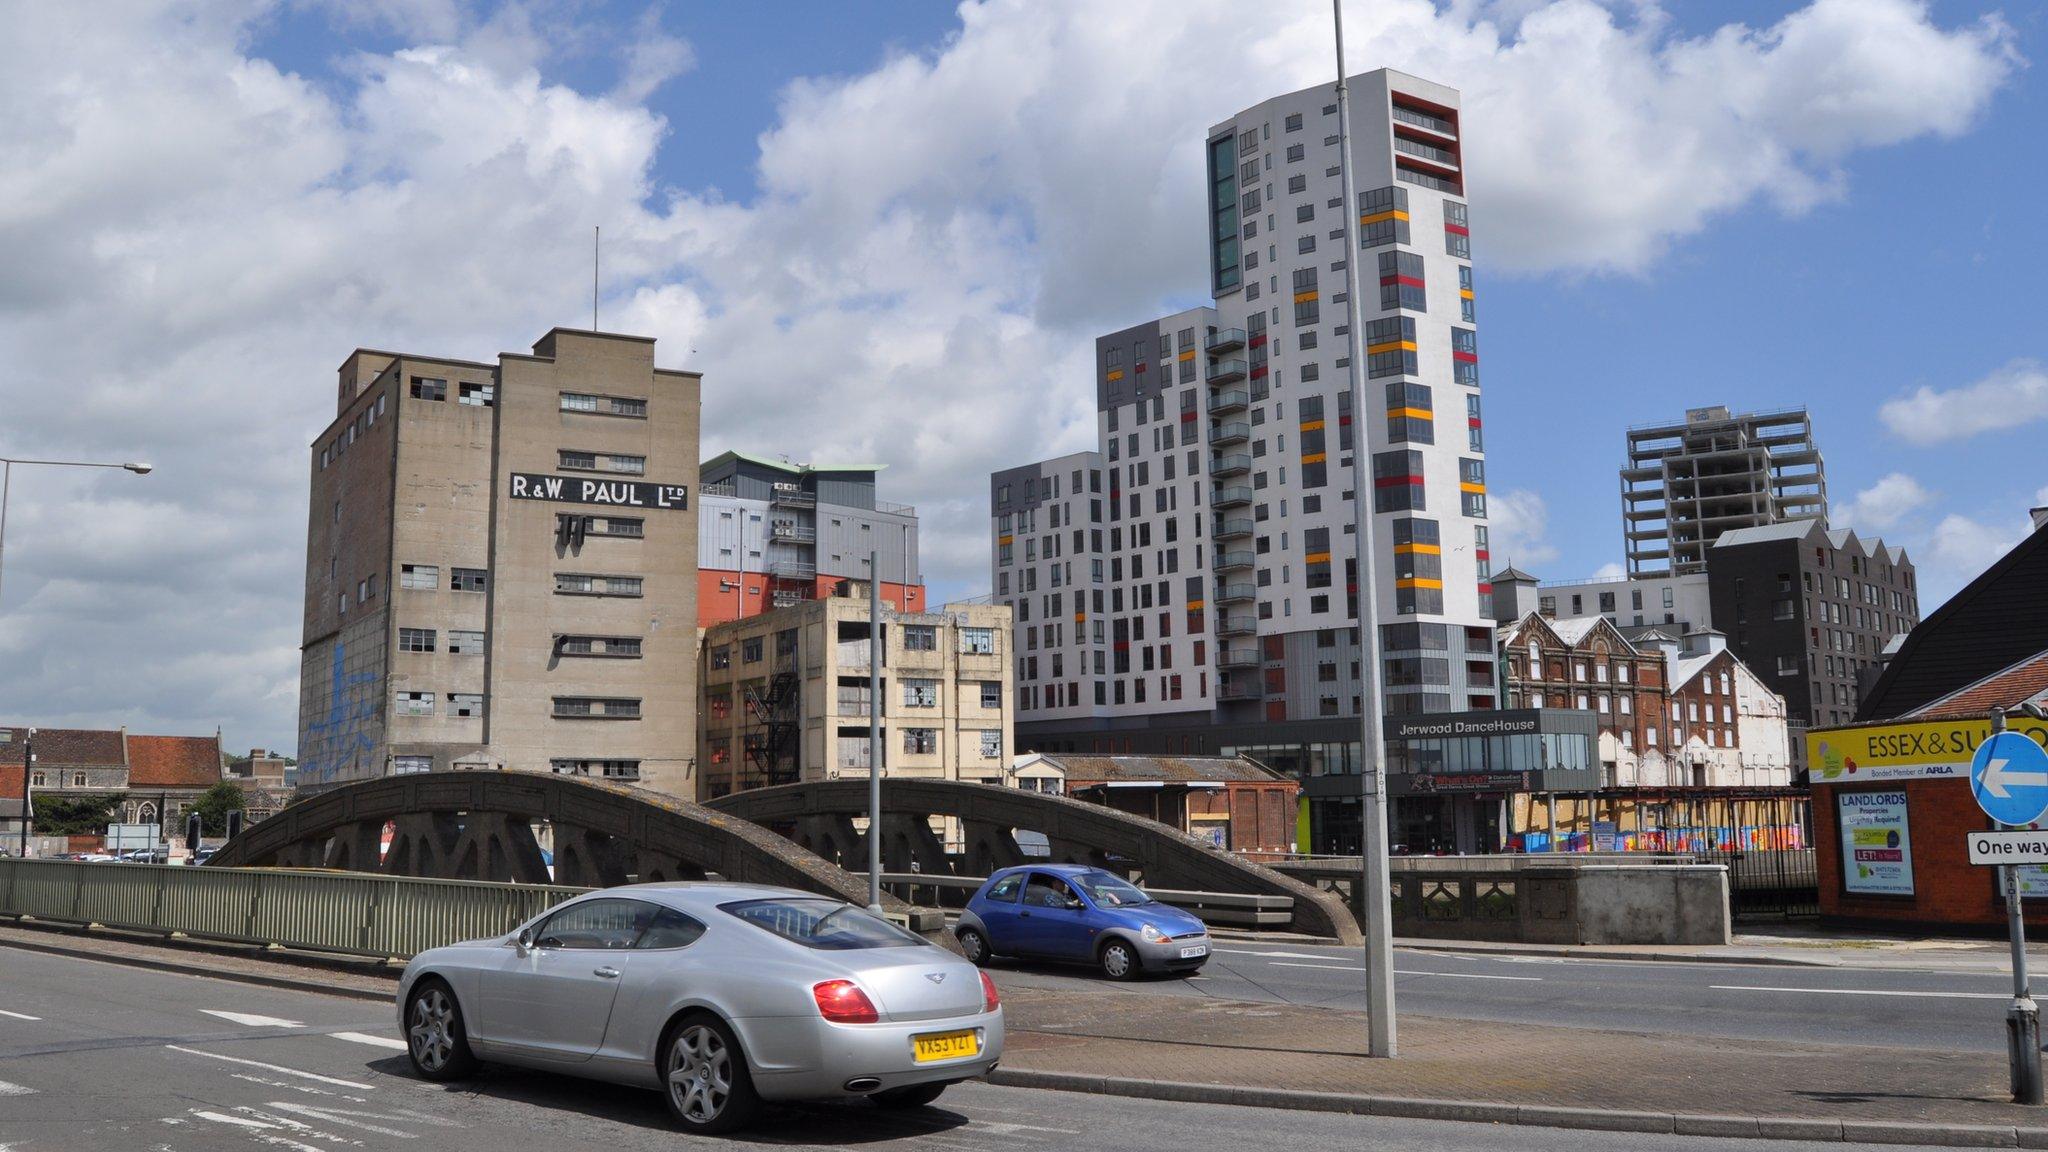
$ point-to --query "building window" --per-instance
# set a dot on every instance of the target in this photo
(1410, 414)
(1457, 236)
(920, 693)
(415, 639)
(721, 657)
(978, 641)
(921, 740)
(462, 704)
(1397, 481)
(579, 584)
(628, 406)
(991, 744)
(1465, 303)
(415, 703)
(1472, 487)
(1401, 281)
(575, 461)
(920, 638)
(617, 647)
(606, 769)
(1383, 217)
(476, 395)
(419, 576)
(408, 765)
(633, 527)
(1390, 347)
(991, 694)
(750, 650)
(1474, 435)
(467, 579)
(596, 708)
(462, 642)
(426, 388)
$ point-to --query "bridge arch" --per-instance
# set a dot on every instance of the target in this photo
(819, 817)
(479, 826)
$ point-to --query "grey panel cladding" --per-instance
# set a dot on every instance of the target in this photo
(1015, 489)
(848, 489)
(847, 534)
(1135, 385)
(732, 533)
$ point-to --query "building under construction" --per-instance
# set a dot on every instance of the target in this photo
(787, 699)
(1686, 483)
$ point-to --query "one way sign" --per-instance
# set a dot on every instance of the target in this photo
(2009, 777)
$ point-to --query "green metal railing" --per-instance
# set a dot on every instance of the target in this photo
(324, 911)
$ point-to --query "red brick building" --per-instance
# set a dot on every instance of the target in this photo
(154, 776)
(1233, 801)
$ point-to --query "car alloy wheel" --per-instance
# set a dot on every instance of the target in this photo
(432, 1034)
(700, 1074)
(974, 946)
(1117, 961)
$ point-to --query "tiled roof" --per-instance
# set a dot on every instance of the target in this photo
(1169, 769)
(172, 761)
(65, 747)
(1997, 621)
(2024, 681)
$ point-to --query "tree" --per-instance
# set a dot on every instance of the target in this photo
(214, 805)
(74, 815)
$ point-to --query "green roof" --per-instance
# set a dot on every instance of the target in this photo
(782, 465)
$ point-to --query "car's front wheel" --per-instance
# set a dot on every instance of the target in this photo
(704, 1075)
(913, 1096)
(1118, 960)
(974, 946)
(435, 1037)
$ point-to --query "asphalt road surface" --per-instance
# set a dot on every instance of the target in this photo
(1925, 1010)
(95, 1057)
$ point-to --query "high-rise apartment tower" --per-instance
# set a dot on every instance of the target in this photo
(1688, 482)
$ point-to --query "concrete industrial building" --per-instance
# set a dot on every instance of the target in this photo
(1675, 605)
(1686, 483)
(1218, 506)
(771, 534)
(786, 695)
(501, 567)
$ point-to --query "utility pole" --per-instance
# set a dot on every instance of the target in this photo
(28, 775)
(2022, 1016)
(1372, 808)
(875, 732)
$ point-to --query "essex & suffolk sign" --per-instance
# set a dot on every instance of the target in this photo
(1916, 750)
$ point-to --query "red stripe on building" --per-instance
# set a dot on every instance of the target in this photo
(1411, 281)
(1460, 229)
(1396, 481)
(1465, 357)
(1187, 417)
(1258, 341)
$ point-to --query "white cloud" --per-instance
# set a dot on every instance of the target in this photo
(1518, 522)
(1883, 506)
(1612, 570)
(196, 238)
(1957, 552)
(2013, 395)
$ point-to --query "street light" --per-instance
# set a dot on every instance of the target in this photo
(7, 464)
(7, 476)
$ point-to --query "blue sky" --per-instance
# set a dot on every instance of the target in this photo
(890, 231)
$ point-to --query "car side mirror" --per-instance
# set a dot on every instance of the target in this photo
(524, 941)
(1074, 903)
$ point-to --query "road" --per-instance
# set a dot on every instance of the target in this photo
(98, 1056)
(1962, 1012)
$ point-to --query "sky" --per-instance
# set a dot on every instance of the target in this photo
(891, 231)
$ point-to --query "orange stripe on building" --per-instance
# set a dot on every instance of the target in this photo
(1418, 582)
(1188, 355)
(1194, 605)
(1392, 346)
(1005, 539)
(1417, 550)
(1319, 557)
(1464, 293)
(1315, 458)
(1390, 214)
(1118, 374)
(1305, 297)
(1412, 413)
(1472, 488)
(1311, 425)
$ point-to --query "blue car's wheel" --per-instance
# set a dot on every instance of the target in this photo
(974, 946)
(1119, 961)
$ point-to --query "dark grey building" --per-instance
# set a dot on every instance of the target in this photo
(1809, 609)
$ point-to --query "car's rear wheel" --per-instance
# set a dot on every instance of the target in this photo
(435, 1038)
(704, 1077)
(1119, 961)
(975, 947)
(913, 1096)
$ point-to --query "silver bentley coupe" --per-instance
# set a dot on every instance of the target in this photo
(721, 996)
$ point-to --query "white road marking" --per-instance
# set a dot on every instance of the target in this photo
(1866, 992)
(252, 1021)
(17, 1015)
(1406, 972)
(343, 1116)
(274, 1068)
(237, 1121)
(373, 1041)
(7, 1089)
(1277, 955)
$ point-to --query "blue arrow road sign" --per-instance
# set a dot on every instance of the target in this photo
(2009, 777)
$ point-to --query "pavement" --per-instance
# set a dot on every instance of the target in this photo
(1173, 1040)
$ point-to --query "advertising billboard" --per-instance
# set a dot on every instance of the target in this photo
(1877, 842)
(1919, 750)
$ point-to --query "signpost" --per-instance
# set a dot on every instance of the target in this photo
(2009, 778)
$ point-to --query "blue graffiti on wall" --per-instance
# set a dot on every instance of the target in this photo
(331, 746)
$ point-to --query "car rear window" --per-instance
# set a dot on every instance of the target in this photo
(824, 924)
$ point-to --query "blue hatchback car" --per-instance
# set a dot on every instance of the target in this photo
(1081, 915)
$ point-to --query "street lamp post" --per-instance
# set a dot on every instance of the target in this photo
(1372, 808)
(7, 464)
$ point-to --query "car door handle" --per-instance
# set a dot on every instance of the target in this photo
(1024, 915)
(607, 973)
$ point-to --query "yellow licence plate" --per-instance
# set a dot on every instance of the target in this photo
(945, 1045)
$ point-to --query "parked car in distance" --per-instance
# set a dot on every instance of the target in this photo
(721, 996)
(1080, 915)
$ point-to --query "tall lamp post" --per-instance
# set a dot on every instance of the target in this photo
(6, 482)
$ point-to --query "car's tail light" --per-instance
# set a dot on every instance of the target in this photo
(989, 1000)
(842, 1002)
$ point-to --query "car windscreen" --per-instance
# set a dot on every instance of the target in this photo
(823, 924)
(1110, 891)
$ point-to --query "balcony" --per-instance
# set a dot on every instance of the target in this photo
(1234, 496)
(1236, 593)
(1226, 561)
(1233, 527)
(1239, 689)
(1226, 371)
(1234, 464)
(1229, 400)
(791, 496)
(1238, 658)
(1223, 340)
(1423, 151)
(789, 597)
(1237, 626)
(1235, 432)
(791, 532)
(793, 570)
